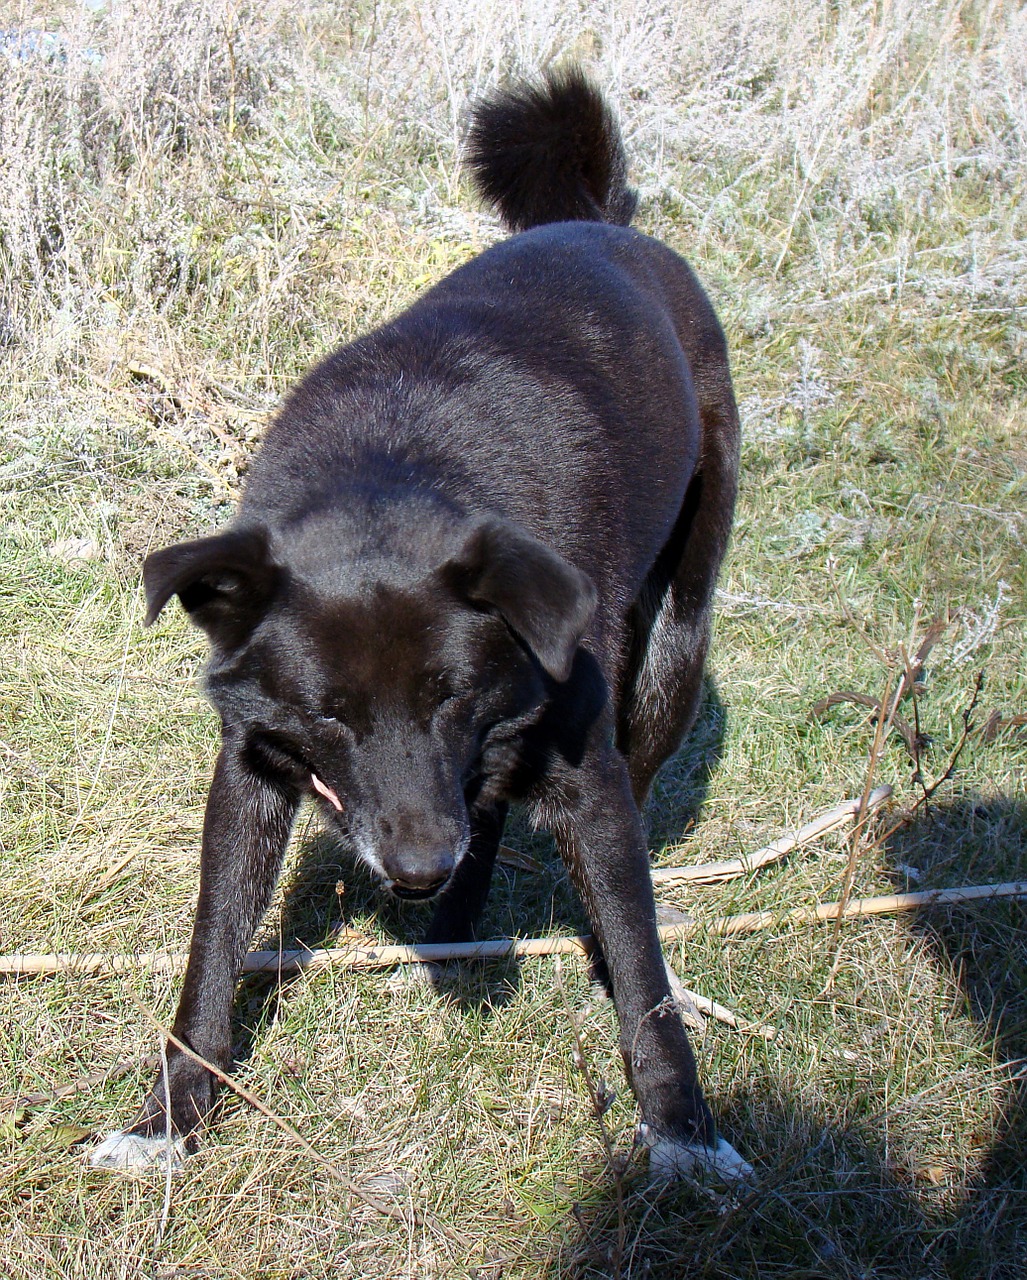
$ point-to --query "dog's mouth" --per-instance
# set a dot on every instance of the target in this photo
(407, 894)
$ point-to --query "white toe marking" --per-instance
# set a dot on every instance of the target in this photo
(132, 1151)
(669, 1158)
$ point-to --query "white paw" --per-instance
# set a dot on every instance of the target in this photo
(132, 1151)
(669, 1158)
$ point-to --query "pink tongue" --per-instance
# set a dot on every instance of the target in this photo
(327, 792)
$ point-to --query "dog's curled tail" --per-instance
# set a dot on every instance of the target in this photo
(550, 152)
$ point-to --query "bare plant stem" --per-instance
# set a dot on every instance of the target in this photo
(357, 1192)
(950, 768)
(857, 839)
(928, 792)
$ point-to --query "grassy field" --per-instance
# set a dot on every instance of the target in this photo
(199, 199)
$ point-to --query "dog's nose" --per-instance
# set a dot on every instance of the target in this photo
(421, 874)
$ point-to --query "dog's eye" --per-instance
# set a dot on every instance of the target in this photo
(317, 715)
(450, 700)
(335, 722)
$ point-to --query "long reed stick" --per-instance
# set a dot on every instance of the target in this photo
(370, 957)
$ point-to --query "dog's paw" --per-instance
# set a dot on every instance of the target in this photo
(671, 1158)
(128, 1151)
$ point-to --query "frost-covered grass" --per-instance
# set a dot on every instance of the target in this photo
(196, 201)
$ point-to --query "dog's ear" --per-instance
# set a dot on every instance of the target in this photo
(545, 600)
(224, 582)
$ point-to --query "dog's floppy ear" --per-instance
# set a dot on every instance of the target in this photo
(545, 600)
(224, 582)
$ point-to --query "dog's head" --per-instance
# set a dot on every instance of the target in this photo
(390, 684)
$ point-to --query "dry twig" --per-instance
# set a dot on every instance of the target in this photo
(857, 839)
(691, 1006)
(107, 1076)
(716, 872)
(602, 1097)
(354, 1189)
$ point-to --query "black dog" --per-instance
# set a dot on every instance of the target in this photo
(475, 564)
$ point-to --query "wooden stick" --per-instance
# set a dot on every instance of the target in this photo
(351, 956)
(691, 1005)
(688, 1002)
(714, 872)
(369, 957)
(364, 957)
(753, 921)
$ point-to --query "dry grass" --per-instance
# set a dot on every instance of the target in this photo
(197, 200)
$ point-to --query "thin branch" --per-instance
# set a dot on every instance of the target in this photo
(691, 1005)
(919, 740)
(912, 671)
(857, 837)
(964, 737)
(365, 957)
(169, 1159)
(715, 872)
(928, 791)
(601, 1096)
(107, 1076)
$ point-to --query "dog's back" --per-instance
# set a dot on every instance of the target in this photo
(550, 379)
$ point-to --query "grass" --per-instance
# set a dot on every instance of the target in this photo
(195, 203)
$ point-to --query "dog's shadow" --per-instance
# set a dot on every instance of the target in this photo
(838, 1199)
(330, 897)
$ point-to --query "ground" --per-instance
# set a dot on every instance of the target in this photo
(197, 201)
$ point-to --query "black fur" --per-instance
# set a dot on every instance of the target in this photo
(474, 564)
(551, 152)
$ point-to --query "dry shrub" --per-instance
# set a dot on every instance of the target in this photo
(146, 148)
(89, 96)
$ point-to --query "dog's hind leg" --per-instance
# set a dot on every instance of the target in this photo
(670, 621)
(462, 901)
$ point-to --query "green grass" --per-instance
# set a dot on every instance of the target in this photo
(848, 180)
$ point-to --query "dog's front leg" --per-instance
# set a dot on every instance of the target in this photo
(600, 837)
(462, 901)
(245, 831)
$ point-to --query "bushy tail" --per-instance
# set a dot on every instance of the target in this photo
(550, 152)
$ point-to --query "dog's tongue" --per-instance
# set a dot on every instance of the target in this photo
(325, 791)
